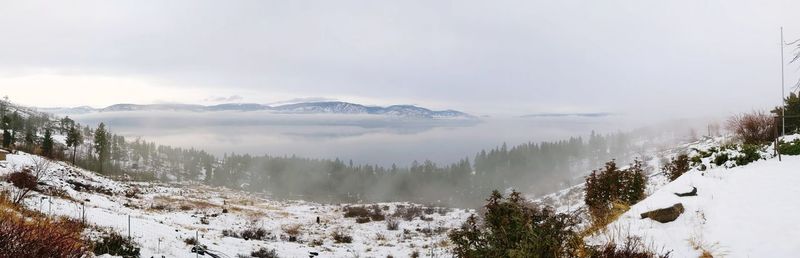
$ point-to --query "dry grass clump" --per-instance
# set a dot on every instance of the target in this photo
(292, 230)
(707, 250)
(169, 203)
(632, 247)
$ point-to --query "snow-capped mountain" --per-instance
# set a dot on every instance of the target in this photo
(332, 107)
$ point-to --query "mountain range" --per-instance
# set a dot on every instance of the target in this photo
(330, 107)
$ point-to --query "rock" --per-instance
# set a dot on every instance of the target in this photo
(666, 214)
(692, 193)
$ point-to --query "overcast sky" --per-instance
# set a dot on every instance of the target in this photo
(485, 57)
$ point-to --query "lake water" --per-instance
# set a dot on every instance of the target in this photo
(361, 138)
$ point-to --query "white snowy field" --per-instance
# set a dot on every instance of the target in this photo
(163, 216)
(743, 211)
(748, 211)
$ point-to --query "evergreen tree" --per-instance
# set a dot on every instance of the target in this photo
(6, 138)
(5, 124)
(792, 113)
(101, 145)
(30, 137)
(47, 144)
(74, 138)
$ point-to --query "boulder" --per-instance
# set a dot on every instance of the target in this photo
(666, 214)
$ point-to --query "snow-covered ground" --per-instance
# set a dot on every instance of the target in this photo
(748, 211)
(744, 211)
(739, 211)
(163, 216)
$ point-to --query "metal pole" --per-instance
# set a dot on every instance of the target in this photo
(129, 226)
(783, 89)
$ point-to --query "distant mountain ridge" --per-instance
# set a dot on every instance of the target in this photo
(329, 107)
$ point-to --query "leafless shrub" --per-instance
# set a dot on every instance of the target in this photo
(392, 224)
(340, 237)
(253, 233)
(26, 181)
(264, 253)
(408, 213)
(753, 128)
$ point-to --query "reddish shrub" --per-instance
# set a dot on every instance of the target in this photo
(23, 180)
(753, 128)
(39, 236)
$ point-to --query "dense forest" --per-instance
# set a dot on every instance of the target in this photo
(531, 167)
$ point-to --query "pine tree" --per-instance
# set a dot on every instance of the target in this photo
(30, 137)
(6, 138)
(101, 145)
(74, 138)
(47, 144)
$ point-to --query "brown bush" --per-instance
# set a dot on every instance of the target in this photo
(190, 241)
(264, 253)
(376, 214)
(341, 237)
(753, 128)
(408, 213)
(293, 230)
(38, 236)
(355, 211)
(253, 233)
(23, 179)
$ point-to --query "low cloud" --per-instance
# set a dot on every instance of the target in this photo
(231, 98)
(302, 100)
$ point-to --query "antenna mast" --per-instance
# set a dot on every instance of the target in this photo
(783, 89)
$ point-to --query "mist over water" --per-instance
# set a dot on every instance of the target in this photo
(362, 138)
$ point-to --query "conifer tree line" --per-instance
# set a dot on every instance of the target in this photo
(530, 167)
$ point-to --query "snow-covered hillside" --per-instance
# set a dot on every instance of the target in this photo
(742, 211)
(163, 216)
(748, 211)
